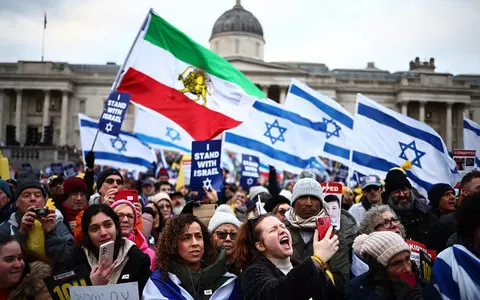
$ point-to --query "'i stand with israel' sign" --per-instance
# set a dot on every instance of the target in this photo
(206, 172)
(113, 113)
(250, 171)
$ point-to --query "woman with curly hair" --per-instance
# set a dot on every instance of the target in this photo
(188, 266)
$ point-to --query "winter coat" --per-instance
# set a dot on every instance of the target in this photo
(416, 221)
(263, 280)
(440, 231)
(133, 265)
(139, 240)
(339, 263)
(59, 243)
(366, 287)
(359, 210)
(7, 211)
(214, 282)
(32, 286)
(349, 229)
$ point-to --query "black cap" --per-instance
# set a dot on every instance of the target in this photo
(104, 174)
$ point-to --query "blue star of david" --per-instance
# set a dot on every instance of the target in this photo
(281, 131)
(335, 132)
(119, 144)
(418, 154)
(173, 134)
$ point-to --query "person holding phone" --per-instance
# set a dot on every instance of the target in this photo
(390, 275)
(263, 250)
(100, 225)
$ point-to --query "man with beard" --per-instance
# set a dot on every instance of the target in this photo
(178, 202)
(413, 214)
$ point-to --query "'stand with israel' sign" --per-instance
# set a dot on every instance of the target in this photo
(206, 171)
(250, 170)
(113, 113)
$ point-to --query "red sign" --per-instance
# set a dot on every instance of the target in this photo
(464, 152)
(331, 188)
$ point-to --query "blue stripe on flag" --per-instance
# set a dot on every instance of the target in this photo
(153, 140)
(469, 264)
(336, 150)
(443, 277)
(384, 166)
(477, 161)
(389, 121)
(336, 115)
(87, 123)
(292, 117)
(121, 158)
(267, 150)
(467, 125)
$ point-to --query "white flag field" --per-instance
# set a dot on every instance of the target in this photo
(471, 138)
(384, 139)
(123, 152)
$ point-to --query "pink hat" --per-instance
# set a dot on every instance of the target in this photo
(130, 204)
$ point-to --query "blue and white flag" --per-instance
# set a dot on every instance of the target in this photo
(319, 108)
(278, 137)
(471, 138)
(384, 139)
(160, 132)
(125, 151)
(112, 117)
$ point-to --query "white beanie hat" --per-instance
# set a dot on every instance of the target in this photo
(224, 208)
(287, 194)
(220, 218)
(306, 187)
(257, 190)
(381, 245)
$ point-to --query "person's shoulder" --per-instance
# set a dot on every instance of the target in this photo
(360, 281)
(260, 264)
(347, 216)
(355, 207)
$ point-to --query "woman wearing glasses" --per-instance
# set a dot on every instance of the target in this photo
(263, 250)
(163, 204)
(390, 275)
(188, 267)
(127, 214)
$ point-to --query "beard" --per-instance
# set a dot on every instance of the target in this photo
(401, 206)
(178, 209)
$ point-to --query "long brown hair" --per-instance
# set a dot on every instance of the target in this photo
(244, 251)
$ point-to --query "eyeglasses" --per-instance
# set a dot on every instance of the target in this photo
(165, 206)
(404, 191)
(112, 181)
(368, 189)
(399, 262)
(223, 235)
(129, 216)
(387, 223)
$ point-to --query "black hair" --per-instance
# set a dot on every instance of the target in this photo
(467, 216)
(331, 198)
(469, 177)
(89, 213)
(5, 239)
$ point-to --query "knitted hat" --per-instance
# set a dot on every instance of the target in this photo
(163, 172)
(104, 174)
(26, 184)
(306, 187)
(74, 185)
(128, 203)
(273, 202)
(287, 194)
(256, 190)
(381, 245)
(220, 218)
(5, 188)
(396, 179)
(160, 196)
(436, 192)
(224, 208)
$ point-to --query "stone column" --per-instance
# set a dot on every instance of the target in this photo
(46, 111)
(448, 125)
(265, 90)
(283, 94)
(2, 99)
(404, 108)
(63, 122)
(18, 114)
(466, 112)
(421, 111)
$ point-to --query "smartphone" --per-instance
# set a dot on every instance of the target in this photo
(409, 278)
(107, 250)
(323, 223)
(126, 194)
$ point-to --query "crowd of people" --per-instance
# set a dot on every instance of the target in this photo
(56, 225)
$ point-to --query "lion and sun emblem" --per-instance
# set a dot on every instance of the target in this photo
(195, 82)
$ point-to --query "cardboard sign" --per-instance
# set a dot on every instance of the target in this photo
(250, 171)
(113, 113)
(334, 208)
(416, 248)
(59, 285)
(206, 171)
(57, 168)
(70, 171)
(465, 160)
(122, 291)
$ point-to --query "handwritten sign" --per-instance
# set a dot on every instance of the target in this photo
(123, 291)
(206, 172)
(113, 113)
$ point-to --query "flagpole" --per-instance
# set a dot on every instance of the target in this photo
(44, 29)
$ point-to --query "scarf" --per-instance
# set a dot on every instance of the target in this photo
(71, 214)
(307, 224)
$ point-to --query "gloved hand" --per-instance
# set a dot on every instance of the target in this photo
(90, 159)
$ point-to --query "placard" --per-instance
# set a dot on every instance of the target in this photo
(426, 265)
(415, 248)
(58, 285)
(70, 171)
(465, 160)
(112, 117)
(250, 171)
(57, 168)
(205, 169)
(122, 291)
(334, 209)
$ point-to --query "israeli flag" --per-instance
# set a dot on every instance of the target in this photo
(160, 132)
(277, 136)
(471, 138)
(124, 151)
(317, 107)
(384, 139)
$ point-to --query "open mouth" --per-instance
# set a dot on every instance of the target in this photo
(285, 241)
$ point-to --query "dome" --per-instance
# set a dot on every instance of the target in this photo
(239, 20)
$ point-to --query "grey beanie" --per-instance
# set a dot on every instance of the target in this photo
(257, 190)
(306, 187)
(219, 218)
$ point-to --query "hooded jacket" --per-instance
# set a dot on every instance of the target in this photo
(59, 243)
(32, 285)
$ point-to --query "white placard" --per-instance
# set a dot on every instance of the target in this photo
(123, 291)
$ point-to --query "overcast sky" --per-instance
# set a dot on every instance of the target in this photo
(340, 33)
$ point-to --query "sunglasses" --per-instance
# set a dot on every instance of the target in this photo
(223, 235)
(368, 189)
(282, 211)
(112, 181)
